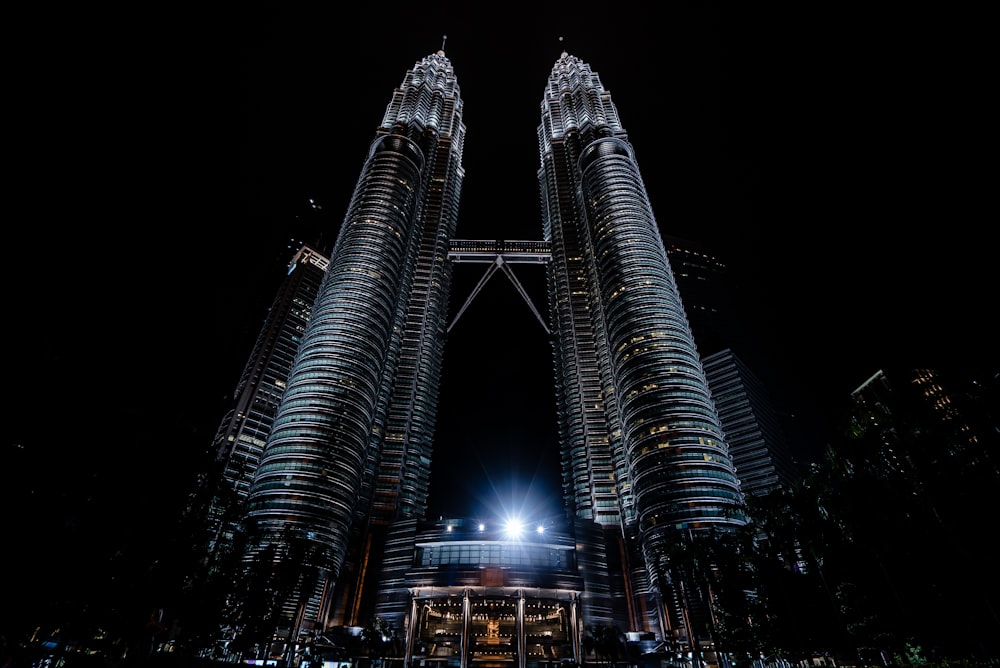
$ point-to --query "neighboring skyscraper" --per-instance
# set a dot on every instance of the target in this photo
(243, 431)
(703, 281)
(731, 357)
(895, 396)
(753, 431)
(351, 443)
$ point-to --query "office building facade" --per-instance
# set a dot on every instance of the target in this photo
(764, 440)
(244, 429)
(703, 280)
(756, 439)
(345, 470)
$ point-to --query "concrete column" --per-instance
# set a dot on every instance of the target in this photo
(466, 624)
(520, 633)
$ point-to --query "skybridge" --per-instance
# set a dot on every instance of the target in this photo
(500, 254)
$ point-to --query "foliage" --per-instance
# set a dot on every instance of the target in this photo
(875, 551)
(881, 548)
(380, 640)
(605, 641)
(872, 554)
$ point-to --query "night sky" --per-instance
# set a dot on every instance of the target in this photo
(163, 166)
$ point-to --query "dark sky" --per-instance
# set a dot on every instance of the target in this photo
(163, 164)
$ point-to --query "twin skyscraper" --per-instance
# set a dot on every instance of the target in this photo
(345, 468)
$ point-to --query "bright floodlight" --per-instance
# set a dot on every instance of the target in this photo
(513, 528)
(540, 529)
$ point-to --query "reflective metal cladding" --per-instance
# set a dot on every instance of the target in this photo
(352, 436)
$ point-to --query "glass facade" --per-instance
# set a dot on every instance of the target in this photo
(642, 444)
(346, 464)
(472, 596)
(243, 431)
(495, 629)
(351, 440)
(756, 440)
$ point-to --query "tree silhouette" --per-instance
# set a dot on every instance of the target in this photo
(379, 639)
(605, 641)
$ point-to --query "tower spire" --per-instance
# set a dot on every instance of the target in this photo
(444, 38)
(564, 48)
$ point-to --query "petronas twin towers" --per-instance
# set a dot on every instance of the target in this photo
(352, 440)
(350, 452)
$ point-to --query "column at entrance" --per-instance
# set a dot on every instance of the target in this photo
(466, 624)
(414, 630)
(521, 649)
(574, 616)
